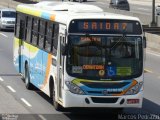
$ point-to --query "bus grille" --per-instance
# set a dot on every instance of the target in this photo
(104, 100)
(101, 92)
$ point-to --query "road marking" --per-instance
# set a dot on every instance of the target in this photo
(26, 102)
(153, 53)
(3, 35)
(149, 71)
(42, 117)
(11, 88)
(144, 9)
(1, 79)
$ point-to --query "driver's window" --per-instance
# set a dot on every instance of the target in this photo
(120, 48)
(121, 51)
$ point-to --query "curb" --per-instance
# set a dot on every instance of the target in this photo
(153, 42)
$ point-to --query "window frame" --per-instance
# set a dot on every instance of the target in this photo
(54, 34)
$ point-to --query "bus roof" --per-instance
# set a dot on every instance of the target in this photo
(64, 12)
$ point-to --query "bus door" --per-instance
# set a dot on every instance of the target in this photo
(60, 67)
(21, 45)
(60, 61)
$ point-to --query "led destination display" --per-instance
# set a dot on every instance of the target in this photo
(103, 26)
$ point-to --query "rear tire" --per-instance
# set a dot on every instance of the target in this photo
(27, 78)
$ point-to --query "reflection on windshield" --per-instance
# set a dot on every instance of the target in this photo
(10, 14)
(104, 57)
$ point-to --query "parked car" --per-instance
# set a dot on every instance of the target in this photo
(119, 4)
(158, 10)
(7, 18)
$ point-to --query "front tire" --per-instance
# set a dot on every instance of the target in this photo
(56, 105)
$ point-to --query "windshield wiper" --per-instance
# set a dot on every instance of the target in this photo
(119, 40)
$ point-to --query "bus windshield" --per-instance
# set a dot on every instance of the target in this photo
(104, 57)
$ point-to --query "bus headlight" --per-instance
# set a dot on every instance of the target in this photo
(135, 89)
(74, 88)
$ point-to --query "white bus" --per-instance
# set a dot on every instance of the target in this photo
(79, 55)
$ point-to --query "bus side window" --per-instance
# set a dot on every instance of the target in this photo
(42, 33)
(35, 31)
(23, 27)
(25, 31)
(49, 34)
(55, 39)
(17, 25)
(28, 29)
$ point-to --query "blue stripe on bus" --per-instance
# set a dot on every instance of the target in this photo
(46, 15)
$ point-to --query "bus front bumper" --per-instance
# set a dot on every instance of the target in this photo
(74, 100)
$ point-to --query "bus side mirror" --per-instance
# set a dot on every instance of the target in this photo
(144, 42)
(64, 49)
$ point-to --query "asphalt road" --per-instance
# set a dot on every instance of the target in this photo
(136, 6)
(33, 105)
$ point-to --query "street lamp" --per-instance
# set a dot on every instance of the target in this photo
(153, 23)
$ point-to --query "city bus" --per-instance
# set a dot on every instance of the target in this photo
(79, 55)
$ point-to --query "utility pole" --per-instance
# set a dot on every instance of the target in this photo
(153, 23)
(8, 3)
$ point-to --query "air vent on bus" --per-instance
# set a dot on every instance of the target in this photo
(104, 100)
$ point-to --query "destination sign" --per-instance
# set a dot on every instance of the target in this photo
(102, 26)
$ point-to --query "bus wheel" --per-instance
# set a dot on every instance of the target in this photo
(57, 106)
(27, 78)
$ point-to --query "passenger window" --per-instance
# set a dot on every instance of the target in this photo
(41, 41)
(49, 37)
(42, 33)
(22, 29)
(35, 31)
(29, 26)
(55, 39)
(17, 25)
